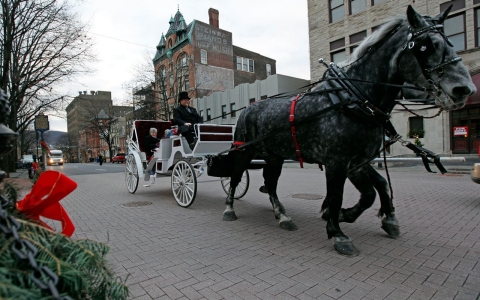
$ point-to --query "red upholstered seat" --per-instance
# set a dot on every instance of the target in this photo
(143, 129)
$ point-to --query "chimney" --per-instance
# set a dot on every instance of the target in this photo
(213, 16)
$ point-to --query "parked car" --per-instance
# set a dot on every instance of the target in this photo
(27, 160)
(119, 158)
(476, 173)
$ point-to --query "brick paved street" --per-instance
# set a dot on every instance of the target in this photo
(170, 252)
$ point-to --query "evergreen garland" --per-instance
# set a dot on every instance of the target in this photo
(81, 266)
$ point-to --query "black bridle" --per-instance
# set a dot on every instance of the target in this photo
(421, 48)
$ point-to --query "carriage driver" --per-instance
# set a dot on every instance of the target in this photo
(185, 117)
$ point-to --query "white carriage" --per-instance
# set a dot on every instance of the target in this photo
(174, 158)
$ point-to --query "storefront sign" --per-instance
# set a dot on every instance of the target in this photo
(460, 131)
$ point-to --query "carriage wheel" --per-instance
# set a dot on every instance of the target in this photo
(131, 174)
(184, 183)
(242, 187)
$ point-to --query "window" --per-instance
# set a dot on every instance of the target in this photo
(209, 116)
(477, 27)
(203, 56)
(455, 30)
(224, 111)
(233, 113)
(187, 85)
(375, 2)
(415, 127)
(201, 113)
(251, 101)
(357, 6)
(339, 56)
(337, 11)
(182, 60)
(356, 39)
(263, 97)
(269, 69)
(245, 64)
(456, 5)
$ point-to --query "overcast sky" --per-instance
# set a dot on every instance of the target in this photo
(123, 31)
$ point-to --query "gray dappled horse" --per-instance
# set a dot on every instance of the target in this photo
(410, 49)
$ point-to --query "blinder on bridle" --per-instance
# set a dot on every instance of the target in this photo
(423, 48)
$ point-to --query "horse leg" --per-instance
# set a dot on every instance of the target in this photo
(241, 160)
(389, 222)
(362, 183)
(336, 177)
(271, 173)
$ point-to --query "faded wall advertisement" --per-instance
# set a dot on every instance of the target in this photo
(213, 39)
(213, 78)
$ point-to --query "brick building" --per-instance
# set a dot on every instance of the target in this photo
(201, 58)
(82, 110)
(336, 27)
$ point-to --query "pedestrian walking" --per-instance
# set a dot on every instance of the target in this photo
(100, 159)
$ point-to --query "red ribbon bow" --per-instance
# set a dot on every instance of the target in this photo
(44, 146)
(43, 200)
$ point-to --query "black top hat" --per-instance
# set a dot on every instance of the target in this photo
(183, 95)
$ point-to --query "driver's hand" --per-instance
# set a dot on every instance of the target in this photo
(188, 124)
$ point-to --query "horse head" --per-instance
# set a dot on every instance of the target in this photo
(439, 68)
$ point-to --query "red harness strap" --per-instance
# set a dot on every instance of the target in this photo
(294, 130)
(236, 144)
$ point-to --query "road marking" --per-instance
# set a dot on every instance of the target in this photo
(100, 169)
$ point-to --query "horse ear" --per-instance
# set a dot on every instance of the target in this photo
(415, 20)
(442, 16)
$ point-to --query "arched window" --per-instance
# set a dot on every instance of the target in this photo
(182, 60)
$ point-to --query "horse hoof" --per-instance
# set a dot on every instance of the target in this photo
(344, 246)
(229, 216)
(391, 229)
(263, 189)
(288, 225)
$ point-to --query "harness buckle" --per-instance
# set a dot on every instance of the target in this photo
(292, 118)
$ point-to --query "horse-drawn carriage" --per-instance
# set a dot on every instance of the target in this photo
(339, 123)
(174, 158)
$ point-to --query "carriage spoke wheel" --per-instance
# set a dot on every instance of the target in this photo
(131, 174)
(242, 187)
(184, 183)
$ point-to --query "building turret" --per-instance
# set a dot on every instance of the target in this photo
(161, 44)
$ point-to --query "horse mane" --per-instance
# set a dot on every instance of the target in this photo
(371, 40)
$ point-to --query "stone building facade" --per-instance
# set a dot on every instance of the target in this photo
(225, 107)
(336, 27)
(200, 58)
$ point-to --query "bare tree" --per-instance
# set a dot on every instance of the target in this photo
(103, 123)
(69, 146)
(154, 95)
(43, 44)
(172, 78)
(27, 141)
